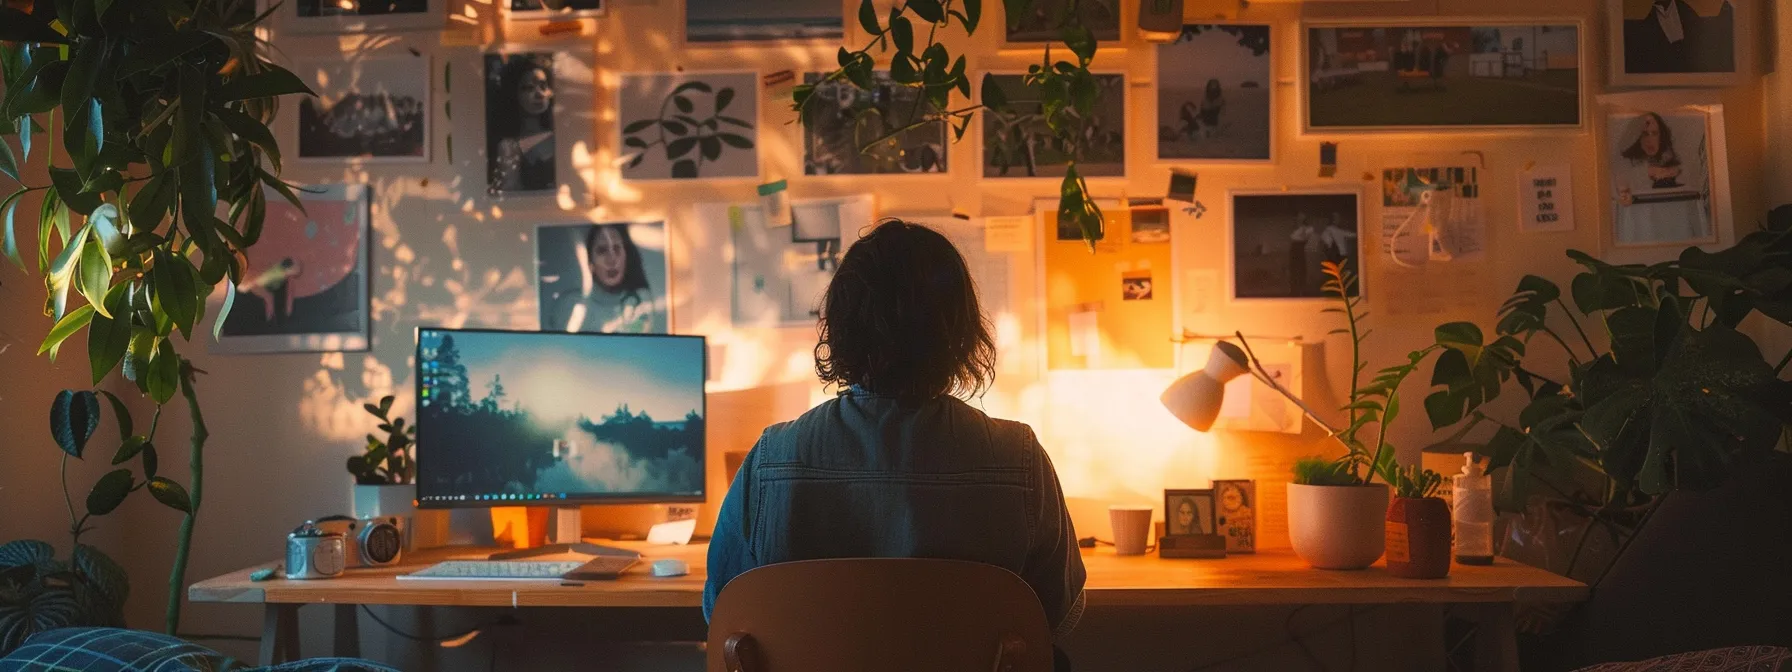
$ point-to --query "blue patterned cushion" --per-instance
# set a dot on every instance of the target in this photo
(104, 649)
(109, 649)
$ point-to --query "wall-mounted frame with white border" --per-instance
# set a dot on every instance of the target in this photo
(1694, 27)
(432, 17)
(1321, 72)
(1266, 85)
(1314, 276)
(1126, 30)
(402, 77)
(574, 122)
(295, 254)
(752, 102)
(796, 31)
(551, 10)
(561, 284)
(926, 143)
(984, 118)
(1622, 168)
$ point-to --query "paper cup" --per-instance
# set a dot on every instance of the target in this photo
(1132, 528)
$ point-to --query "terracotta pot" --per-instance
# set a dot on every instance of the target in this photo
(1418, 538)
(1339, 526)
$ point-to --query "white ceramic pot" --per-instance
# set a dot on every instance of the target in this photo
(385, 500)
(1338, 526)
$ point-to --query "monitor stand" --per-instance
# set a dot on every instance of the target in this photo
(563, 537)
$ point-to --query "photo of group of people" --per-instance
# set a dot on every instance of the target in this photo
(1280, 240)
(1362, 77)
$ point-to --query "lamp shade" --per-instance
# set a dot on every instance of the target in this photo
(1195, 398)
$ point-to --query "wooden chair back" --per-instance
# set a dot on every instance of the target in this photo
(879, 615)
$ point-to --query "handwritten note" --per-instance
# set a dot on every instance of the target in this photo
(1546, 199)
(1007, 234)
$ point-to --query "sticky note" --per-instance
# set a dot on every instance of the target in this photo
(775, 197)
(1006, 234)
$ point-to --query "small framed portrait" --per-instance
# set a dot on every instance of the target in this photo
(603, 278)
(1235, 512)
(1679, 42)
(1669, 188)
(520, 150)
(1189, 512)
(1281, 239)
(552, 10)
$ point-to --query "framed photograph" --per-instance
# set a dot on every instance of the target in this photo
(520, 148)
(605, 278)
(841, 119)
(1235, 506)
(1047, 21)
(689, 125)
(719, 22)
(1189, 512)
(368, 110)
(1669, 186)
(1216, 95)
(1442, 77)
(552, 10)
(1280, 238)
(305, 289)
(360, 16)
(1015, 142)
(1679, 42)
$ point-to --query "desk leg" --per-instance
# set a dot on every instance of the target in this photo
(1496, 638)
(348, 631)
(279, 633)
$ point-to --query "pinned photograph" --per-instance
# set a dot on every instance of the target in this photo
(606, 278)
(1214, 94)
(373, 110)
(1661, 178)
(1280, 240)
(1188, 512)
(1135, 286)
(1677, 42)
(552, 9)
(840, 120)
(1417, 77)
(1017, 143)
(365, 15)
(686, 126)
(1236, 513)
(1151, 226)
(1047, 21)
(713, 21)
(781, 272)
(519, 123)
(306, 287)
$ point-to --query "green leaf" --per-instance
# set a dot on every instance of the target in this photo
(68, 186)
(868, 17)
(677, 128)
(96, 274)
(739, 141)
(137, 356)
(680, 147)
(132, 446)
(273, 82)
(151, 461)
(638, 126)
(96, 126)
(684, 169)
(973, 15)
(224, 311)
(902, 31)
(65, 327)
(173, 290)
(109, 492)
(152, 202)
(683, 104)
(9, 165)
(103, 574)
(252, 131)
(723, 98)
(17, 26)
(109, 336)
(164, 373)
(992, 94)
(74, 415)
(1081, 42)
(9, 242)
(120, 413)
(695, 85)
(928, 10)
(170, 494)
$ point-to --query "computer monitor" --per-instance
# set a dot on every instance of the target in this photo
(512, 418)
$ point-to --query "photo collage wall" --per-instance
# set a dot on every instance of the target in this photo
(1213, 90)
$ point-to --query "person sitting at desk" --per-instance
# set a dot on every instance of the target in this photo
(897, 466)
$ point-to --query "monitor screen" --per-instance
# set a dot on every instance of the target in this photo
(507, 418)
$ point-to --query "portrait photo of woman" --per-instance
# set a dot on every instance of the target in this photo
(1661, 184)
(519, 122)
(606, 278)
(1188, 512)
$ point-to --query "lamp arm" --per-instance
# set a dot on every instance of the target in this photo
(1262, 375)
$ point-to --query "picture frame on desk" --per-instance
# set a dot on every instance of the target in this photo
(1235, 514)
(1189, 512)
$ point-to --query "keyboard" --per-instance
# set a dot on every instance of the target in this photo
(496, 570)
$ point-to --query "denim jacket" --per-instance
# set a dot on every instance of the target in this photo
(865, 476)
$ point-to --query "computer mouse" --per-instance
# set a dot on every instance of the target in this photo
(670, 567)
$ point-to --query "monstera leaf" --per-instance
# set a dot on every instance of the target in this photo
(1528, 308)
(1672, 406)
(1470, 371)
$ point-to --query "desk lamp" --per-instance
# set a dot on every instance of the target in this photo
(1195, 399)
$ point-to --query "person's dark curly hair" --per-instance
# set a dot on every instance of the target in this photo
(901, 319)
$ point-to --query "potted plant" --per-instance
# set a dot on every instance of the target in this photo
(1418, 526)
(162, 111)
(382, 472)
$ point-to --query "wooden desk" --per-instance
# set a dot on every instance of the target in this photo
(1270, 578)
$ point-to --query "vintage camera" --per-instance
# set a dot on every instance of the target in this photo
(368, 542)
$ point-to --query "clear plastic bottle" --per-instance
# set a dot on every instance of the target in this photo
(1472, 513)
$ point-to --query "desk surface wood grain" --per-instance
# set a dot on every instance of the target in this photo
(1275, 577)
